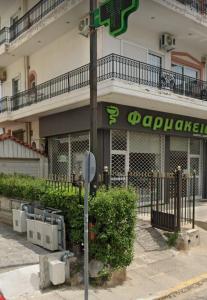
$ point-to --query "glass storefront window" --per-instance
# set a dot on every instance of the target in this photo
(194, 146)
(119, 140)
(59, 155)
(66, 154)
(178, 153)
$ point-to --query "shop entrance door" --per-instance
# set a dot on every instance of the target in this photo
(195, 165)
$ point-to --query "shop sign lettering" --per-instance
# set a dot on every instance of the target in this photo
(157, 122)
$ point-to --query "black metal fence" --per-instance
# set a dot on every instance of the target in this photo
(199, 6)
(167, 199)
(63, 183)
(4, 104)
(35, 14)
(110, 67)
(4, 35)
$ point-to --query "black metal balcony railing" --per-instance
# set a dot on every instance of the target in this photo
(113, 66)
(4, 35)
(36, 13)
(5, 104)
(199, 6)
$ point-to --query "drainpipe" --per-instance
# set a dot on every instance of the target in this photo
(26, 87)
(28, 132)
(26, 72)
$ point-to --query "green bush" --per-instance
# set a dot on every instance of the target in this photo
(113, 213)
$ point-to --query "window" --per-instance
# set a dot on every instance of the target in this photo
(187, 71)
(14, 19)
(153, 74)
(14, 28)
(15, 86)
(155, 60)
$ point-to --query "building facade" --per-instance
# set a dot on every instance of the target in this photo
(152, 86)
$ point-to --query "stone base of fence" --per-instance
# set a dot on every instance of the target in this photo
(188, 239)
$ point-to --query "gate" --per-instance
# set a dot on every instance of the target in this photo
(172, 200)
(167, 199)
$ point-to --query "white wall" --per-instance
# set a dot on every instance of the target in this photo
(8, 9)
(31, 3)
(14, 70)
(137, 42)
(64, 54)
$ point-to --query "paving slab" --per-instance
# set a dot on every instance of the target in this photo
(155, 268)
(15, 250)
(19, 282)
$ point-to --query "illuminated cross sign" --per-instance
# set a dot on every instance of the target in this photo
(114, 13)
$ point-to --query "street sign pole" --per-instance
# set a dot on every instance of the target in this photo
(86, 281)
(88, 174)
(93, 87)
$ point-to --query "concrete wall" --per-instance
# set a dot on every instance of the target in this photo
(6, 206)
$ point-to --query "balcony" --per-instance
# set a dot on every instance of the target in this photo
(112, 66)
(35, 14)
(198, 6)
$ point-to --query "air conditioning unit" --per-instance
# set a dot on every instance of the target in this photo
(167, 42)
(39, 230)
(50, 236)
(31, 231)
(84, 26)
(3, 75)
(19, 220)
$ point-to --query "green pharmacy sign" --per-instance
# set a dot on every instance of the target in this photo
(114, 14)
(153, 122)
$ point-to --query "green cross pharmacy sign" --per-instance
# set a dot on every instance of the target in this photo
(114, 14)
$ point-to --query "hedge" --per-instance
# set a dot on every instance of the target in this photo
(112, 211)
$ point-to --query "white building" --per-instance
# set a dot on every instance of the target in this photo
(157, 90)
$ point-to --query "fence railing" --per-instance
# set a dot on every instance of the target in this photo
(5, 104)
(63, 183)
(111, 67)
(35, 14)
(167, 199)
(4, 35)
(199, 6)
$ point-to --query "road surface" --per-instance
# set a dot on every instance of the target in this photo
(196, 293)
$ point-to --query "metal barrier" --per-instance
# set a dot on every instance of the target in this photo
(110, 67)
(168, 199)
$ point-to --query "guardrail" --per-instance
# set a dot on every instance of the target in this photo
(4, 35)
(199, 6)
(111, 67)
(35, 14)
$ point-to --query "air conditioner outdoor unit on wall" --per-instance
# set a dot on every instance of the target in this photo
(84, 26)
(167, 42)
(3, 75)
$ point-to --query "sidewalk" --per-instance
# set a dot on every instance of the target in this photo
(155, 269)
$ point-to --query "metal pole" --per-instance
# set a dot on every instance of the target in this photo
(93, 89)
(194, 186)
(179, 195)
(87, 189)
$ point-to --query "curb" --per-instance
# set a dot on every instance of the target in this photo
(181, 288)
